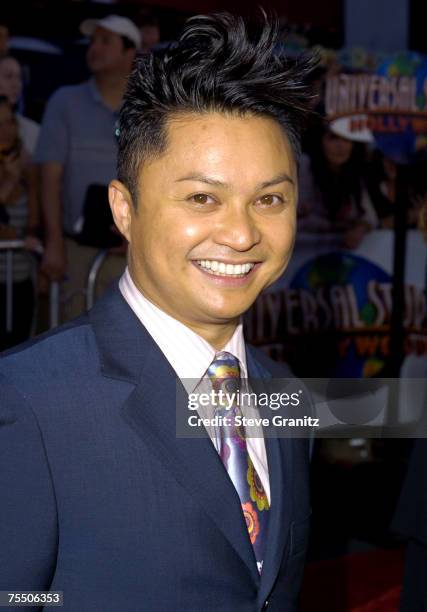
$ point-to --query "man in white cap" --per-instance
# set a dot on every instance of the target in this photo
(77, 152)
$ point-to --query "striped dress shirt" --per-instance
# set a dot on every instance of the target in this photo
(190, 356)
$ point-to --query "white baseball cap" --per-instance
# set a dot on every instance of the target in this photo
(344, 127)
(115, 23)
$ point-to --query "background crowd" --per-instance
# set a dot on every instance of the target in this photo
(59, 103)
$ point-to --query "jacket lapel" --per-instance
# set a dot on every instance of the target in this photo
(279, 458)
(129, 353)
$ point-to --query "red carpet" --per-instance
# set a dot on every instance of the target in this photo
(361, 582)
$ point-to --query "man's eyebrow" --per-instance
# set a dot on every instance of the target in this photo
(279, 178)
(283, 177)
(201, 178)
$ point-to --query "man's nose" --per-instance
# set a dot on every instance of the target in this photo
(94, 45)
(237, 229)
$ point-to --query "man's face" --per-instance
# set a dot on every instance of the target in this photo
(10, 79)
(215, 218)
(106, 53)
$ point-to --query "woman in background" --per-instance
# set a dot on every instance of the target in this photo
(333, 192)
(18, 220)
(11, 86)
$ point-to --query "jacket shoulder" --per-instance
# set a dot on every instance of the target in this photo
(275, 368)
(60, 350)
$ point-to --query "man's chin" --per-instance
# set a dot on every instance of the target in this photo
(223, 316)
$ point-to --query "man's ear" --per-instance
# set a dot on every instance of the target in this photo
(121, 206)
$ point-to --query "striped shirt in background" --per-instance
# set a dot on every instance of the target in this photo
(22, 261)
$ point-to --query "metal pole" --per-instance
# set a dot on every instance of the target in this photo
(53, 305)
(397, 330)
(9, 291)
(92, 277)
(9, 246)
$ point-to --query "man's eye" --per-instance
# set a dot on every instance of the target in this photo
(270, 200)
(201, 198)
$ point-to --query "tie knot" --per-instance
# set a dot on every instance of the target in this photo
(224, 372)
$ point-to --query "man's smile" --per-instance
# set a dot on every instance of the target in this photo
(220, 268)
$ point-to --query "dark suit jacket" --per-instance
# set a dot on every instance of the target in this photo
(102, 501)
(410, 520)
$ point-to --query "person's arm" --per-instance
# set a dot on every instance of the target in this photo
(54, 260)
(51, 154)
(28, 514)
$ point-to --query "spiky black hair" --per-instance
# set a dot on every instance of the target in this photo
(219, 64)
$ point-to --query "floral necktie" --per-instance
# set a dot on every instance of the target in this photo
(224, 374)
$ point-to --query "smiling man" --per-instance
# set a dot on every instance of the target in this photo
(213, 219)
(103, 501)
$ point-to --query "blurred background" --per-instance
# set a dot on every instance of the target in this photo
(353, 300)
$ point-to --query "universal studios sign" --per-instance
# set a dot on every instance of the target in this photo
(389, 107)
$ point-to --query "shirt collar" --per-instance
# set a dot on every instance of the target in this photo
(187, 352)
(94, 91)
(96, 96)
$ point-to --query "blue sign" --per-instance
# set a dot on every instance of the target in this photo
(399, 125)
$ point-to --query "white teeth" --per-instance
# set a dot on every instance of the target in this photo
(222, 269)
